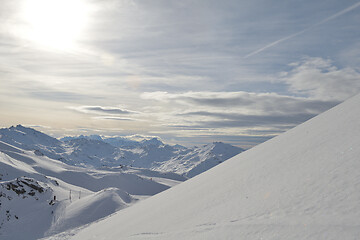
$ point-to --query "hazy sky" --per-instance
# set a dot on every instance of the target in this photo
(191, 72)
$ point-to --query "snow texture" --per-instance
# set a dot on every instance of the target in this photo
(96, 151)
(303, 184)
(41, 197)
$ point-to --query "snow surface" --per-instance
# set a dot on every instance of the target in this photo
(98, 152)
(29, 181)
(303, 184)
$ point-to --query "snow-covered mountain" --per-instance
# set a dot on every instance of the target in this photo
(193, 161)
(30, 139)
(40, 196)
(154, 154)
(76, 181)
(96, 151)
(115, 141)
(303, 184)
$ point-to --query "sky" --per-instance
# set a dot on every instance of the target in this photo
(190, 72)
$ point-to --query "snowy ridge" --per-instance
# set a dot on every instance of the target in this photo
(62, 197)
(90, 208)
(30, 139)
(303, 184)
(96, 151)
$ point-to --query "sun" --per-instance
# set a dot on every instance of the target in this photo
(55, 24)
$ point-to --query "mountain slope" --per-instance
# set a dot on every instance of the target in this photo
(95, 151)
(193, 161)
(303, 184)
(61, 197)
(21, 200)
(30, 139)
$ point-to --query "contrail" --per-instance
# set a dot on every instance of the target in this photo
(305, 30)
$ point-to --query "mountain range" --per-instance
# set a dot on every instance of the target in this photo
(68, 183)
(101, 152)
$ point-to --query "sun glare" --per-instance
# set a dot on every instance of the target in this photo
(55, 23)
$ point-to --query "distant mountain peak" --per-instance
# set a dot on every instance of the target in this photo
(93, 137)
(29, 139)
(220, 146)
(23, 129)
(153, 141)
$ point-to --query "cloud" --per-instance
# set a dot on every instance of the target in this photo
(113, 118)
(265, 125)
(245, 102)
(56, 95)
(313, 85)
(318, 78)
(338, 14)
(219, 99)
(102, 110)
(243, 120)
(37, 126)
(258, 115)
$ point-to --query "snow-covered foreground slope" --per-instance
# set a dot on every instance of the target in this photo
(303, 184)
(40, 196)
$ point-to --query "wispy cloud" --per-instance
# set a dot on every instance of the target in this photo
(245, 102)
(41, 127)
(338, 14)
(262, 115)
(56, 95)
(113, 118)
(244, 120)
(102, 110)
